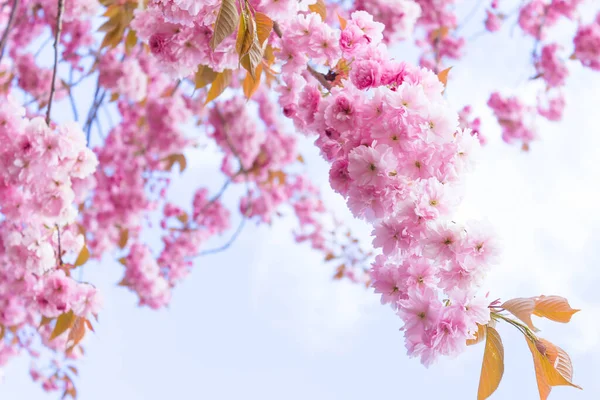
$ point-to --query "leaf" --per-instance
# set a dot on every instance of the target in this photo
(183, 218)
(479, 336)
(250, 85)
(77, 331)
(559, 359)
(573, 56)
(83, 256)
(63, 323)
(300, 158)
(254, 58)
(264, 26)
(492, 367)
(130, 41)
(176, 158)
(2, 331)
(319, 8)
(73, 370)
(204, 76)
(227, 20)
(521, 308)
(554, 308)
(280, 176)
(219, 85)
(45, 321)
(546, 374)
(329, 257)
(245, 35)
(123, 238)
(89, 325)
(339, 272)
(343, 22)
(123, 260)
(443, 76)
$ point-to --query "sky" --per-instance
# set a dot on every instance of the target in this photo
(265, 321)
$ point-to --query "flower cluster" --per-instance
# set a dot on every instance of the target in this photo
(587, 44)
(398, 157)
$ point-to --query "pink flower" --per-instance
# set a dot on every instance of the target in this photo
(365, 74)
(493, 22)
(371, 165)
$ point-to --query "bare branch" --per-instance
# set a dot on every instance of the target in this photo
(11, 20)
(61, 9)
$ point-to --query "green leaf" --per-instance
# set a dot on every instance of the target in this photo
(226, 22)
(63, 323)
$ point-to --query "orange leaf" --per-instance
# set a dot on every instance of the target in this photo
(250, 85)
(77, 332)
(63, 323)
(329, 257)
(45, 321)
(339, 272)
(546, 373)
(443, 76)
(319, 8)
(123, 238)
(479, 336)
(176, 158)
(264, 26)
(492, 367)
(343, 22)
(222, 80)
(521, 308)
(83, 256)
(554, 308)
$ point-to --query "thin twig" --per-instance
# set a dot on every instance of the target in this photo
(61, 9)
(228, 243)
(11, 20)
(71, 99)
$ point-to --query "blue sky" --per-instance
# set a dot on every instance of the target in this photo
(264, 320)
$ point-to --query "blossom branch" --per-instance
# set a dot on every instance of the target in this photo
(11, 19)
(61, 9)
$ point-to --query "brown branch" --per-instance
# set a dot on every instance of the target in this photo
(11, 20)
(61, 9)
(319, 77)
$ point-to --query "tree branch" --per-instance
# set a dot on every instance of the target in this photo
(61, 9)
(11, 20)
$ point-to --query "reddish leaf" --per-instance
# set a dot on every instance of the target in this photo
(521, 308)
